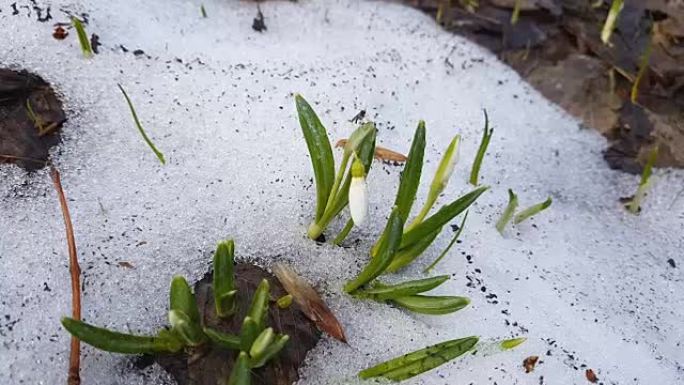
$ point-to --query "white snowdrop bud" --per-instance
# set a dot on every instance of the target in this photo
(358, 193)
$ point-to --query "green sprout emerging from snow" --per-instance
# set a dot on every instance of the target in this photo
(477, 163)
(418, 362)
(634, 205)
(82, 37)
(333, 188)
(256, 343)
(611, 19)
(158, 153)
(512, 205)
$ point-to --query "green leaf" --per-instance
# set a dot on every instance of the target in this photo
(412, 364)
(262, 342)
(274, 348)
(508, 211)
(408, 254)
(321, 153)
(358, 137)
(512, 343)
(82, 37)
(241, 374)
(182, 299)
(158, 153)
(635, 204)
(441, 217)
(223, 279)
(532, 210)
(184, 327)
(248, 333)
(285, 301)
(116, 342)
(382, 292)
(228, 341)
(435, 305)
(259, 309)
(453, 241)
(410, 177)
(477, 163)
(383, 258)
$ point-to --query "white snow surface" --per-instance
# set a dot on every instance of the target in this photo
(586, 282)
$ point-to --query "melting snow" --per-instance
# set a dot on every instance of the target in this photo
(586, 282)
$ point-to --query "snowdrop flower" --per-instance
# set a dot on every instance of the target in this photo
(446, 166)
(358, 192)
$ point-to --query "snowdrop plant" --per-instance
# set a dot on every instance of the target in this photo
(400, 245)
(256, 343)
(333, 188)
(512, 205)
(82, 37)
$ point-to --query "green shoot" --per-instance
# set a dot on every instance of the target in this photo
(453, 241)
(159, 155)
(516, 12)
(477, 163)
(643, 66)
(532, 210)
(223, 280)
(508, 211)
(344, 233)
(382, 292)
(186, 329)
(512, 343)
(241, 374)
(204, 11)
(412, 364)
(82, 37)
(435, 305)
(379, 262)
(609, 25)
(285, 301)
(228, 341)
(634, 205)
(116, 342)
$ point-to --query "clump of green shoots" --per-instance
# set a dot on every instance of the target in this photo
(158, 153)
(512, 205)
(82, 37)
(611, 19)
(477, 163)
(423, 360)
(634, 204)
(256, 343)
(400, 245)
(333, 187)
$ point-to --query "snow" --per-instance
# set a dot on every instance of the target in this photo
(585, 280)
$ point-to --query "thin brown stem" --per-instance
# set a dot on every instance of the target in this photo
(75, 354)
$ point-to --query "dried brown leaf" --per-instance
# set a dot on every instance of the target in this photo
(381, 153)
(529, 363)
(591, 376)
(309, 301)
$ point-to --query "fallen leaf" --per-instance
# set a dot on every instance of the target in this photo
(591, 376)
(125, 264)
(309, 301)
(381, 153)
(529, 363)
(60, 33)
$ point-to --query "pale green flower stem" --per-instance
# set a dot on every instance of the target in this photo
(316, 228)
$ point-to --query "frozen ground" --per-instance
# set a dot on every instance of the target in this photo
(586, 282)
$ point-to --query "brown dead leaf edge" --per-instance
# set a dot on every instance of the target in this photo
(529, 363)
(75, 270)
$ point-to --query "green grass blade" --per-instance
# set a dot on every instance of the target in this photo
(82, 37)
(423, 357)
(223, 279)
(441, 217)
(409, 253)
(320, 151)
(481, 151)
(609, 25)
(516, 12)
(508, 211)
(382, 292)
(453, 241)
(182, 299)
(116, 342)
(228, 341)
(435, 305)
(512, 343)
(241, 374)
(380, 261)
(158, 153)
(532, 210)
(410, 177)
(259, 309)
(274, 348)
(430, 362)
(643, 66)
